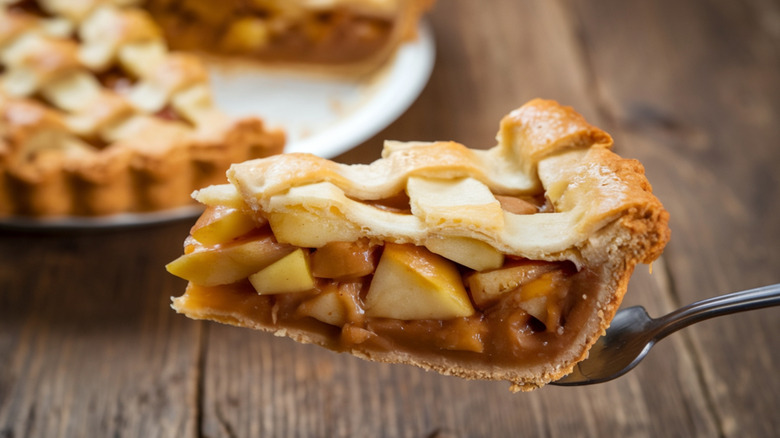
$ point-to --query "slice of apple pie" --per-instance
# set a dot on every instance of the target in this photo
(503, 264)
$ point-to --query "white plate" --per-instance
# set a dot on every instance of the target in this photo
(322, 115)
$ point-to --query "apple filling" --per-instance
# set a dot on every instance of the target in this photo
(274, 30)
(453, 297)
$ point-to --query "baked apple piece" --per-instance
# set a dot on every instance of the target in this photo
(503, 264)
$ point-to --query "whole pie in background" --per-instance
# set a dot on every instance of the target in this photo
(502, 264)
(105, 105)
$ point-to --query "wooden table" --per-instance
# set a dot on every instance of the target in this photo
(90, 347)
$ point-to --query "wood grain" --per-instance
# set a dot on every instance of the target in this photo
(88, 344)
(90, 347)
(699, 110)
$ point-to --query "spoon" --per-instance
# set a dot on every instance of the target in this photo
(633, 333)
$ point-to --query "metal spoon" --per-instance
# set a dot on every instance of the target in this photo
(633, 333)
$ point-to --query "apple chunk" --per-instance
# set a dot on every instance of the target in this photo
(542, 296)
(225, 264)
(412, 283)
(344, 260)
(338, 303)
(490, 286)
(221, 224)
(289, 274)
(469, 252)
(327, 307)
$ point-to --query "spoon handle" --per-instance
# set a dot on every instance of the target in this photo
(766, 296)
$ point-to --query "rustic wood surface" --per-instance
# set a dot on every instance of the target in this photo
(90, 347)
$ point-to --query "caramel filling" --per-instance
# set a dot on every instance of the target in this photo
(382, 296)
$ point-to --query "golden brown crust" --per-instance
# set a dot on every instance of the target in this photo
(605, 220)
(544, 127)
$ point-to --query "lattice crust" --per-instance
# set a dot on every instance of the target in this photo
(99, 117)
(600, 217)
(452, 189)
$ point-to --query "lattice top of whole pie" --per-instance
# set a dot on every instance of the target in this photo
(94, 77)
(90, 87)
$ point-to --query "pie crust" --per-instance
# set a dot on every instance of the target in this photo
(586, 218)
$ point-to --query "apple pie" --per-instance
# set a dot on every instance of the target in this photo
(98, 117)
(503, 264)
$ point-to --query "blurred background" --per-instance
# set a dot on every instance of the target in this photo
(90, 347)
